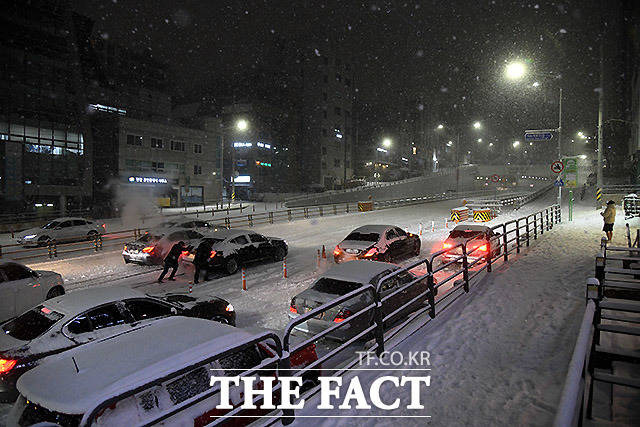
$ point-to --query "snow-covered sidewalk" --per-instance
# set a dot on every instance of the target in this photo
(499, 355)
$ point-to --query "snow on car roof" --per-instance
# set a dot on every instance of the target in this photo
(358, 271)
(85, 299)
(472, 227)
(110, 367)
(373, 228)
(224, 233)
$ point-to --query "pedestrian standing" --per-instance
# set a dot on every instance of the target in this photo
(609, 216)
(200, 260)
(171, 261)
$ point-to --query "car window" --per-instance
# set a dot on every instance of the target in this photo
(16, 272)
(142, 309)
(66, 224)
(52, 224)
(363, 237)
(193, 234)
(78, 222)
(106, 316)
(391, 234)
(240, 240)
(335, 287)
(31, 324)
(257, 238)
(464, 234)
(400, 232)
(80, 325)
(177, 236)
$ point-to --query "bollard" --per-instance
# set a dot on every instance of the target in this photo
(318, 258)
(95, 244)
(190, 288)
(284, 267)
(254, 208)
(420, 230)
(324, 253)
(433, 226)
(100, 242)
(244, 280)
(55, 249)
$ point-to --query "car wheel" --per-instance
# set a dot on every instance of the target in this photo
(278, 254)
(231, 265)
(44, 240)
(55, 292)
(220, 319)
(386, 257)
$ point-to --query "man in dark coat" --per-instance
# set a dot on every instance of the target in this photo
(171, 260)
(200, 260)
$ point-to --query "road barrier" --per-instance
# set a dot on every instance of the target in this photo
(482, 215)
(460, 214)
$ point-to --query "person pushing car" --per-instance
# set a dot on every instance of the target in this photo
(200, 261)
(171, 261)
(609, 216)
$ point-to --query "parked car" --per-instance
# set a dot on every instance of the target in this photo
(386, 243)
(479, 242)
(166, 363)
(231, 249)
(61, 230)
(345, 278)
(181, 222)
(22, 287)
(90, 315)
(151, 249)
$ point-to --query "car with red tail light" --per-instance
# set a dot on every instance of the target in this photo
(386, 243)
(347, 277)
(480, 240)
(151, 249)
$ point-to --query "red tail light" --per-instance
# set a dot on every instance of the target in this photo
(184, 253)
(342, 315)
(148, 249)
(292, 307)
(125, 247)
(212, 254)
(371, 252)
(6, 365)
(337, 251)
(447, 245)
(104, 226)
(483, 248)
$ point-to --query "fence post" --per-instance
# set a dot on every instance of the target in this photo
(289, 214)
(541, 222)
(270, 217)
(527, 221)
(250, 220)
(379, 331)
(432, 291)
(95, 244)
(601, 262)
(517, 236)
(335, 210)
(535, 227)
(306, 212)
(465, 268)
(320, 210)
(55, 248)
(505, 240)
(549, 226)
(347, 207)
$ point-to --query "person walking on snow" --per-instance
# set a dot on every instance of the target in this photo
(609, 216)
(171, 261)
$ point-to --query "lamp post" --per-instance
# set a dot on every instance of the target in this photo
(476, 126)
(241, 126)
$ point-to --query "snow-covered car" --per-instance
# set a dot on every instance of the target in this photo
(22, 287)
(386, 243)
(61, 230)
(480, 239)
(181, 222)
(90, 315)
(169, 365)
(345, 278)
(151, 249)
(231, 249)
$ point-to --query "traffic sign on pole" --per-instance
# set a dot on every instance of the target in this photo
(559, 182)
(495, 178)
(557, 166)
(537, 136)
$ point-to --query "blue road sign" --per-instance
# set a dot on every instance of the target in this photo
(538, 136)
(559, 182)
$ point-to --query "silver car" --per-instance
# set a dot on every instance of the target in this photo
(22, 287)
(67, 229)
(345, 278)
(151, 249)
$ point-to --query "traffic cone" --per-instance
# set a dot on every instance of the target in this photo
(284, 267)
(244, 280)
(433, 226)
(420, 230)
(324, 253)
(318, 257)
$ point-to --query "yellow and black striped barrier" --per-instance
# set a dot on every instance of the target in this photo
(599, 194)
(482, 215)
(459, 214)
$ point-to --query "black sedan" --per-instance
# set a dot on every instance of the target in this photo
(386, 243)
(232, 249)
(90, 315)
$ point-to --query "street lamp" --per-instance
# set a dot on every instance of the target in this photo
(515, 70)
(479, 139)
(386, 142)
(516, 144)
(477, 125)
(440, 127)
(241, 126)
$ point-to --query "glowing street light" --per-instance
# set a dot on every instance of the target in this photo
(242, 125)
(440, 126)
(386, 142)
(491, 144)
(477, 125)
(515, 70)
(535, 84)
(479, 139)
(449, 144)
(515, 144)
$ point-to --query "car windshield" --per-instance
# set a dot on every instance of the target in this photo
(463, 234)
(148, 237)
(363, 237)
(335, 287)
(52, 224)
(31, 324)
(212, 241)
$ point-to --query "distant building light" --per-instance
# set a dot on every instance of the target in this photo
(382, 150)
(415, 151)
(242, 144)
(107, 109)
(404, 159)
(339, 135)
(243, 179)
(28, 181)
(38, 205)
(147, 180)
(50, 205)
(263, 145)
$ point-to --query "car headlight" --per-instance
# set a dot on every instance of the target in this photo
(29, 236)
(229, 307)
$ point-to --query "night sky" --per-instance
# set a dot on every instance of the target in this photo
(448, 56)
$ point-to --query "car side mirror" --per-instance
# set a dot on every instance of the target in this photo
(174, 311)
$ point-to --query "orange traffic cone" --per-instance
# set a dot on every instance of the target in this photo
(324, 252)
(244, 280)
(284, 267)
(420, 230)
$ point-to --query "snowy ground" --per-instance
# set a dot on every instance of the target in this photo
(499, 355)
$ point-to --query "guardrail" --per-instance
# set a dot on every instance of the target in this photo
(53, 249)
(620, 189)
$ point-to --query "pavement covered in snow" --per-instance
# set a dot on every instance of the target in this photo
(499, 355)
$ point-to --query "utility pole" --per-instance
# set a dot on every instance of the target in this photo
(222, 164)
(560, 144)
(600, 111)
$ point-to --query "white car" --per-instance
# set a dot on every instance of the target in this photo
(22, 288)
(66, 229)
